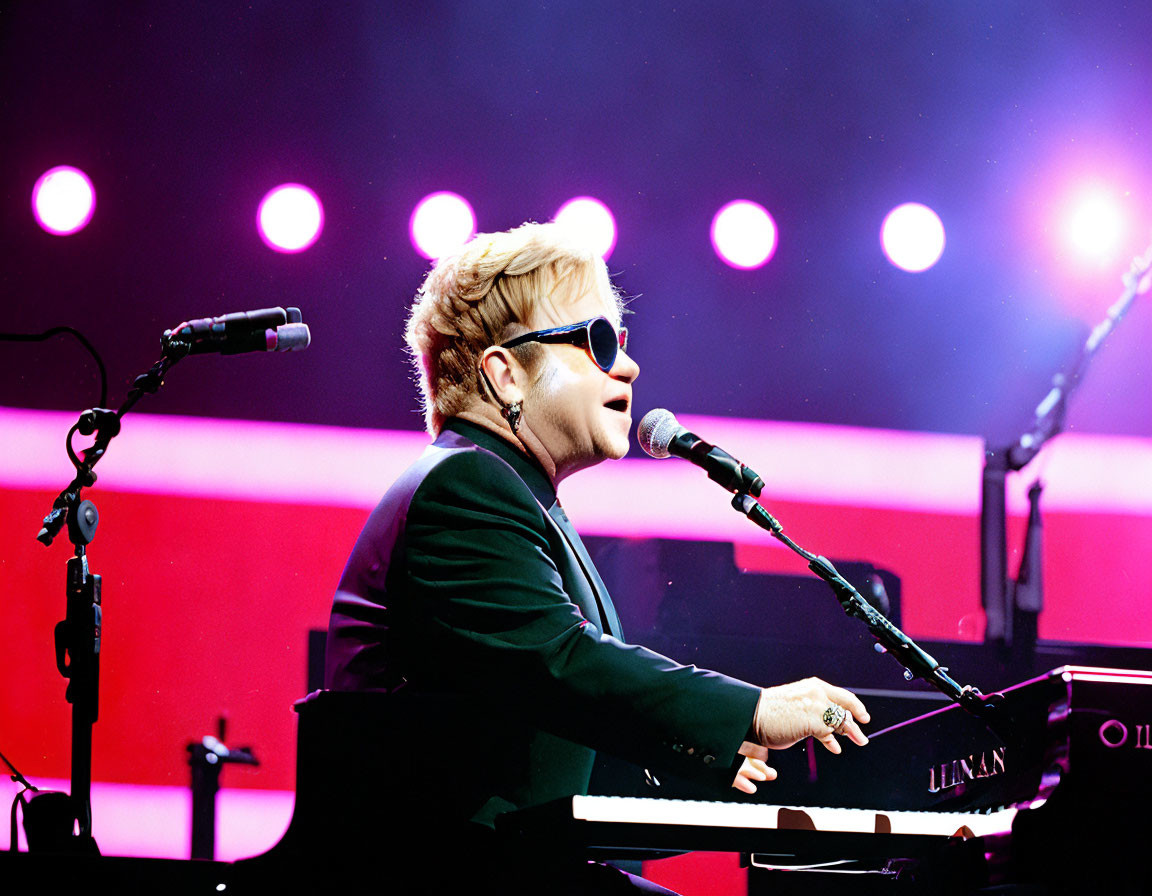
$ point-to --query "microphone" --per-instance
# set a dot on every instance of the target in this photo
(661, 435)
(266, 330)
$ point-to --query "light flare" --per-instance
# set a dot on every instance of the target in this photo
(912, 237)
(63, 200)
(591, 222)
(744, 234)
(440, 224)
(290, 218)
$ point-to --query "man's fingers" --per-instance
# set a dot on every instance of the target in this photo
(764, 771)
(849, 729)
(849, 701)
(751, 771)
(744, 785)
(852, 731)
(829, 741)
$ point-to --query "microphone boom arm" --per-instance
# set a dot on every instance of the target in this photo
(917, 663)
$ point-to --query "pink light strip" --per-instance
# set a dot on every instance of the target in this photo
(205, 457)
(156, 822)
(930, 471)
(814, 463)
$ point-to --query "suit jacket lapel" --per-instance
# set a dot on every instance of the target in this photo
(458, 432)
(610, 620)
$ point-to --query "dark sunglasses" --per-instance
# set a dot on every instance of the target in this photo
(596, 336)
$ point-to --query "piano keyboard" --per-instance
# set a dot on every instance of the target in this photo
(756, 816)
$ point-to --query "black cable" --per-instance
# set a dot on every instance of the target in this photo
(18, 800)
(16, 776)
(48, 334)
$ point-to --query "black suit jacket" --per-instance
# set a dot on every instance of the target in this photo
(470, 599)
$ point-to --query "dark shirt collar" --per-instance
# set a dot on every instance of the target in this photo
(527, 468)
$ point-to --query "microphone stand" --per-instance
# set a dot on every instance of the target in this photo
(77, 637)
(999, 608)
(916, 662)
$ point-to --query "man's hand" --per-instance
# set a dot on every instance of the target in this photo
(789, 713)
(751, 771)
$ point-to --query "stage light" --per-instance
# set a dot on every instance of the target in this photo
(63, 200)
(744, 234)
(912, 237)
(1095, 225)
(592, 223)
(441, 223)
(290, 218)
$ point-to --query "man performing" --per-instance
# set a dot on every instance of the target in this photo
(470, 590)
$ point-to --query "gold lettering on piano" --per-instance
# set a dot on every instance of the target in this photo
(951, 774)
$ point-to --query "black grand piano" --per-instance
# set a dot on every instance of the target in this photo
(1047, 798)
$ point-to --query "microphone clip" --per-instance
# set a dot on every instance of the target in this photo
(721, 467)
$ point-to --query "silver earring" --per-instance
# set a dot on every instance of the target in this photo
(512, 413)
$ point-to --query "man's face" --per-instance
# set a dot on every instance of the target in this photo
(581, 414)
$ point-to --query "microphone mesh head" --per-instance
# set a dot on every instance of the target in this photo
(656, 432)
(292, 337)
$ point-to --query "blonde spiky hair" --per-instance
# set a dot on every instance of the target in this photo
(485, 295)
